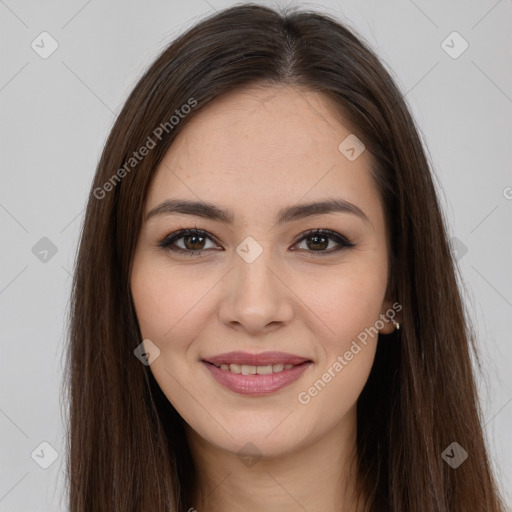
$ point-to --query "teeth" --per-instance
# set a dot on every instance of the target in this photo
(245, 369)
(248, 370)
(264, 370)
(235, 368)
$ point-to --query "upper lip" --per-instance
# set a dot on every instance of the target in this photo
(262, 359)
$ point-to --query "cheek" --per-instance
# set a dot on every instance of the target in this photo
(349, 307)
(159, 300)
(345, 306)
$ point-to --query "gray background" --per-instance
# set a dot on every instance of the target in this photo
(56, 114)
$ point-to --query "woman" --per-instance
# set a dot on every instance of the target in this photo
(265, 307)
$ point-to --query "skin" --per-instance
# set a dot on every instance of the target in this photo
(254, 152)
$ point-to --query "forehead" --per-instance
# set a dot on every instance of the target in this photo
(263, 146)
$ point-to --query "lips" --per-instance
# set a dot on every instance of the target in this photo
(256, 384)
(262, 359)
(256, 374)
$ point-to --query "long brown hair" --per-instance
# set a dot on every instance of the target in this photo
(127, 450)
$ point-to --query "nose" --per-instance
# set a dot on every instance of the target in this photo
(256, 299)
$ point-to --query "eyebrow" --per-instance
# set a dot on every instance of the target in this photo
(291, 213)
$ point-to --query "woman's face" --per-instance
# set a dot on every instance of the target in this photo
(254, 281)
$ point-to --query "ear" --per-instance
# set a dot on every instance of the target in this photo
(390, 310)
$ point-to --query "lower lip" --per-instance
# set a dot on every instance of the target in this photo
(257, 384)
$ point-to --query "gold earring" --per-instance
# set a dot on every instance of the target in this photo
(396, 324)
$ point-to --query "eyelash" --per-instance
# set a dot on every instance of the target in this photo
(167, 242)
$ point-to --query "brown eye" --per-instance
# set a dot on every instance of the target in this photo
(194, 241)
(318, 240)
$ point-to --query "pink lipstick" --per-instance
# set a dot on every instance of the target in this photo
(256, 374)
